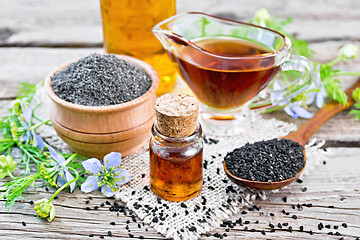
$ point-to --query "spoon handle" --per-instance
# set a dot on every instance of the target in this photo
(303, 134)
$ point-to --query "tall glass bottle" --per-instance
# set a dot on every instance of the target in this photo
(127, 28)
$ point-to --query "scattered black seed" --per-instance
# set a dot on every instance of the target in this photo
(23, 223)
(284, 199)
(133, 193)
(31, 202)
(320, 226)
(311, 232)
(102, 205)
(245, 228)
(299, 180)
(186, 212)
(271, 225)
(227, 230)
(266, 161)
(112, 223)
(47, 189)
(100, 80)
(143, 175)
(331, 206)
(91, 235)
(155, 220)
(324, 162)
(336, 227)
(174, 215)
(131, 235)
(301, 228)
(252, 230)
(341, 238)
(344, 225)
(244, 212)
(96, 208)
(56, 197)
(192, 229)
(102, 237)
(304, 189)
(263, 232)
(217, 235)
(294, 217)
(147, 188)
(90, 198)
(283, 211)
(247, 222)
(109, 233)
(108, 203)
(328, 226)
(272, 230)
(279, 225)
(87, 202)
(183, 205)
(139, 225)
(141, 237)
(256, 222)
(290, 228)
(338, 234)
(285, 224)
(127, 221)
(87, 208)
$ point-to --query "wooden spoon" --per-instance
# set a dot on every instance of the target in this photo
(301, 136)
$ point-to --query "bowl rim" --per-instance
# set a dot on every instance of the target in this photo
(110, 108)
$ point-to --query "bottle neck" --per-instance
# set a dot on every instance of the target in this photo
(193, 138)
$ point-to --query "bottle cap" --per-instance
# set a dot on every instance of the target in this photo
(176, 114)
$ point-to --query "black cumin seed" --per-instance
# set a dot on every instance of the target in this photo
(216, 235)
(147, 188)
(263, 232)
(23, 223)
(328, 226)
(272, 230)
(90, 198)
(31, 202)
(338, 234)
(141, 237)
(96, 208)
(290, 228)
(247, 222)
(284, 199)
(293, 206)
(183, 205)
(127, 227)
(130, 235)
(142, 175)
(279, 225)
(102, 237)
(344, 225)
(301, 228)
(271, 225)
(267, 167)
(174, 215)
(109, 233)
(227, 230)
(244, 212)
(252, 230)
(287, 214)
(304, 189)
(91, 235)
(87, 202)
(139, 225)
(87, 208)
(155, 220)
(112, 223)
(299, 180)
(294, 217)
(108, 203)
(331, 206)
(324, 162)
(320, 226)
(285, 224)
(311, 232)
(133, 193)
(256, 222)
(102, 205)
(336, 227)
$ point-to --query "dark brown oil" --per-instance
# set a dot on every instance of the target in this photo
(174, 178)
(218, 78)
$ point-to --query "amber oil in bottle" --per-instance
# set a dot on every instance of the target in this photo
(176, 149)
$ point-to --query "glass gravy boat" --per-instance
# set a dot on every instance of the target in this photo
(227, 63)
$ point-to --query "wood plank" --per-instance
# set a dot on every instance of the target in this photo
(334, 184)
(43, 23)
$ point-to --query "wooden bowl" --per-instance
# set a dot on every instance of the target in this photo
(95, 131)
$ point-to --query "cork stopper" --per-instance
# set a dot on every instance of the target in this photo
(176, 114)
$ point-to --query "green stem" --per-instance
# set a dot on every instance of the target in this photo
(29, 154)
(38, 125)
(334, 61)
(65, 185)
(6, 140)
(10, 174)
(345, 73)
(70, 158)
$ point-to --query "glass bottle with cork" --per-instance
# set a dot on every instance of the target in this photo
(127, 28)
(176, 148)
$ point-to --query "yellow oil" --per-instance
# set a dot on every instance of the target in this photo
(127, 28)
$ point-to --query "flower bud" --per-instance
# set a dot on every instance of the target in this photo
(348, 52)
(6, 163)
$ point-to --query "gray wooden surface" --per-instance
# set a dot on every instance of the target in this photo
(37, 36)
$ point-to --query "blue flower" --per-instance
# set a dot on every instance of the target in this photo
(23, 131)
(316, 91)
(295, 111)
(108, 176)
(55, 170)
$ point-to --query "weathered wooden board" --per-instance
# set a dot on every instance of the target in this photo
(78, 23)
(334, 184)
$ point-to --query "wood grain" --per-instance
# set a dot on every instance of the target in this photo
(334, 184)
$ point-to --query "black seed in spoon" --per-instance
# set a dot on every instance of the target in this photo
(266, 161)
